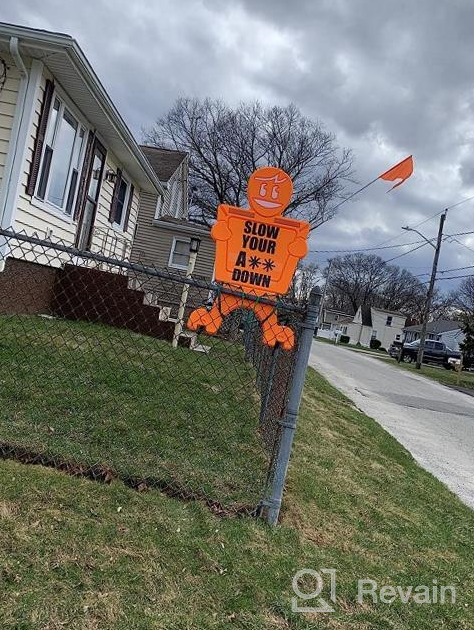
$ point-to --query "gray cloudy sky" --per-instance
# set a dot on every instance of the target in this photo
(388, 78)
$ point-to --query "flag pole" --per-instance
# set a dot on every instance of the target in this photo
(402, 171)
(356, 193)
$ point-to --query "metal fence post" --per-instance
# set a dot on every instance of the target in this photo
(288, 423)
(269, 385)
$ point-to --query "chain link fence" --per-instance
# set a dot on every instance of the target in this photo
(91, 383)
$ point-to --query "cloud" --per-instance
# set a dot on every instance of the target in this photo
(389, 79)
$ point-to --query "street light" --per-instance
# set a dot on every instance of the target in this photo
(194, 245)
(429, 295)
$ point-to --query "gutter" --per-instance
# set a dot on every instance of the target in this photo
(19, 137)
(58, 42)
(6, 214)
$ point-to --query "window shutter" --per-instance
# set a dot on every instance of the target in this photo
(81, 193)
(113, 203)
(40, 134)
(129, 207)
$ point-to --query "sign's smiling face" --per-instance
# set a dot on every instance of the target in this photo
(269, 191)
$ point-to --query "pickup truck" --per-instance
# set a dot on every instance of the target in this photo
(435, 352)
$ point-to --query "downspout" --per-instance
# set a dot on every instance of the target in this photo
(6, 218)
(15, 53)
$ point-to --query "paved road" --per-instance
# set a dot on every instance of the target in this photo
(435, 423)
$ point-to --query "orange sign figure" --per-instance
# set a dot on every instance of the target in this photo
(257, 250)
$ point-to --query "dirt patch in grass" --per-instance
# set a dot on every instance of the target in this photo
(112, 400)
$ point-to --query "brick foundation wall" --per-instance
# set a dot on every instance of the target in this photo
(26, 288)
(103, 297)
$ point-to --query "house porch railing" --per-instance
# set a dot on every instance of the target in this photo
(108, 242)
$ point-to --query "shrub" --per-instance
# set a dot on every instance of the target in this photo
(375, 344)
(344, 339)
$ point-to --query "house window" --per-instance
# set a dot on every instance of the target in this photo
(62, 158)
(179, 255)
(374, 334)
(389, 320)
(122, 202)
(398, 337)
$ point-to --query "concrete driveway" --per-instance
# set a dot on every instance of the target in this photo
(435, 423)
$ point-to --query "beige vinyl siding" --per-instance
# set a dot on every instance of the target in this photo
(30, 217)
(152, 244)
(107, 239)
(152, 247)
(175, 202)
(8, 100)
(33, 216)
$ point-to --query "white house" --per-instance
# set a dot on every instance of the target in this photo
(70, 168)
(375, 323)
(333, 323)
(447, 331)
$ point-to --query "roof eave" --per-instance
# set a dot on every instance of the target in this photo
(54, 41)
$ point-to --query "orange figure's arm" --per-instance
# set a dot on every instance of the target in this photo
(220, 230)
(299, 247)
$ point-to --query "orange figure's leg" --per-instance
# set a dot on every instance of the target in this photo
(211, 320)
(273, 332)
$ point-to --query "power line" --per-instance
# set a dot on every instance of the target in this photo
(463, 244)
(367, 249)
(469, 275)
(459, 203)
(460, 234)
(405, 253)
(379, 248)
(433, 216)
(447, 270)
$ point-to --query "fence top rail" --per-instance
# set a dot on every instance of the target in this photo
(149, 271)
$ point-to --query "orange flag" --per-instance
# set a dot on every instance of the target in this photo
(402, 171)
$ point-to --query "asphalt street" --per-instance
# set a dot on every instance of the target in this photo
(433, 422)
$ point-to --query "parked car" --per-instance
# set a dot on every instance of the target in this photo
(394, 349)
(435, 352)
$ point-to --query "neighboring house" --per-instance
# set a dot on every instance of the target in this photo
(333, 323)
(70, 168)
(374, 323)
(447, 331)
(164, 231)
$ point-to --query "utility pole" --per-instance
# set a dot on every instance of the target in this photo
(429, 296)
(321, 308)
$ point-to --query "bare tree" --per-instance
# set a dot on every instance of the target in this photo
(366, 280)
(464, 297)
(305, 279)
(226, 145)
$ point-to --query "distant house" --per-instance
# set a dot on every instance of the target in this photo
(164, 232)
(70, 168)
(447, 331)
(375, 323)
(333, 323)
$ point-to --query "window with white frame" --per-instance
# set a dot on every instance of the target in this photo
(389, 320)
(62, 158)
(374, 334)
(179, 255)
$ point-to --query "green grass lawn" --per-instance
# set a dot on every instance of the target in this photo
(446, 377)
(102, 395)
(84, 556)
